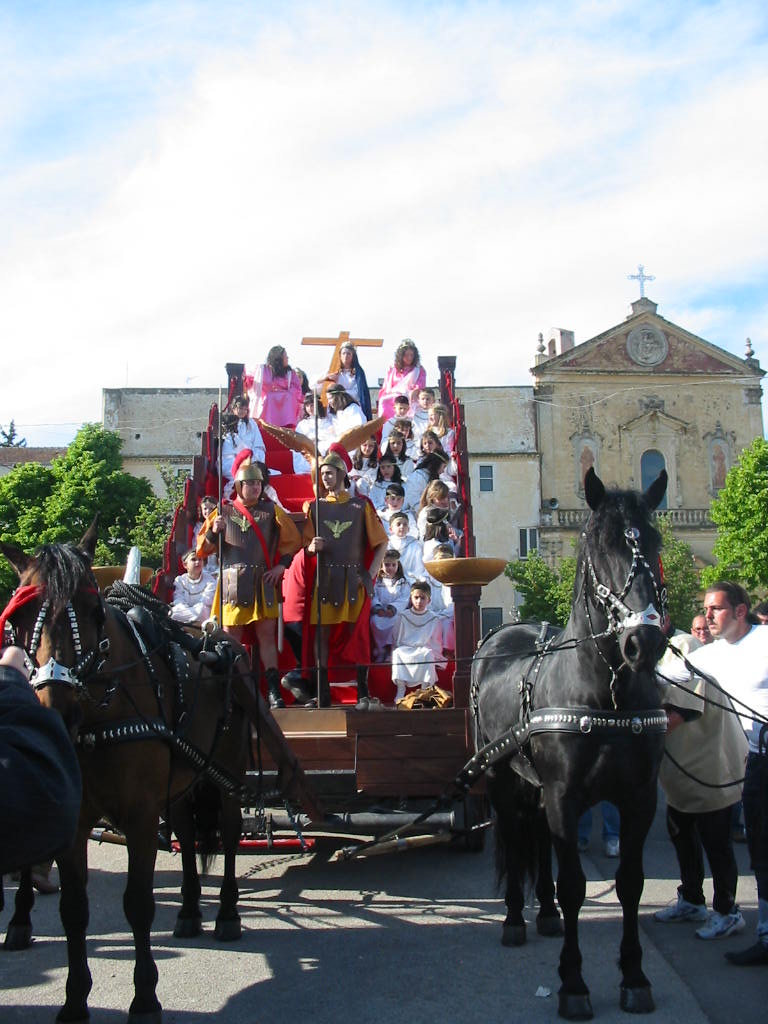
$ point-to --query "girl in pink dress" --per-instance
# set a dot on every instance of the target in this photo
(405, 376)
(275, 390)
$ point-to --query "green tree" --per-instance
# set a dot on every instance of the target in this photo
(547, 593)
(680, 575)
(155, 517)
(43, 505)
(10, 439)
(740, 512)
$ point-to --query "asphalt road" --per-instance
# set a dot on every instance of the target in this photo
(404, 938)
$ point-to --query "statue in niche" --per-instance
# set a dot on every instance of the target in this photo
(719, 467)
(586, 459)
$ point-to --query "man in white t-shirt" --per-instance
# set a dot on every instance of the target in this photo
(738, 660)
(701, 777)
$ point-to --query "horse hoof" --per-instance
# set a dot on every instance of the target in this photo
(66, 1016)
(513, 935)
(19, 936)
(637, 1000)
(228, 931)
(188, 927)
(152, 1017)
(575, 1007)
(550, 927)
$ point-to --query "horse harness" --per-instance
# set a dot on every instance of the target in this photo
(605, 725)
(142, 629)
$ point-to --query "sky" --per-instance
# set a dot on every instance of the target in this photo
(185, 184)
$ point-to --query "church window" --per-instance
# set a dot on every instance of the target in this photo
(651, 464)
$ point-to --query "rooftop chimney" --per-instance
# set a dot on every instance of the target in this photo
(560, 339)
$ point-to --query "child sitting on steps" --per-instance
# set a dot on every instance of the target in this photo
(418, 643)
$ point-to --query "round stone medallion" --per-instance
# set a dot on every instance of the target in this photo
(647, 346)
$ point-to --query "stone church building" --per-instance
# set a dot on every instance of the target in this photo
(643, 395)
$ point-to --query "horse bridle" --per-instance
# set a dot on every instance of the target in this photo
(618, 614)
(86, 663)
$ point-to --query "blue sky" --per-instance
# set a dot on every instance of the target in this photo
(186, 184)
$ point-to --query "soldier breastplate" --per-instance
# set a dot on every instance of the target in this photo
(243, 558)
(342, 573)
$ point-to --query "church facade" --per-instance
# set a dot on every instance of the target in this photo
(643, 396)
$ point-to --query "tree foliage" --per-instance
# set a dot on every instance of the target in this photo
(547, 593)
(10, 439)
(740, 513)
(44, 505)
(155, 517)
(680, 575)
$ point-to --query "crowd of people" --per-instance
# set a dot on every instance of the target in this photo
(397, 487)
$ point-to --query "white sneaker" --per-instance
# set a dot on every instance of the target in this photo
(681, 911)
(720, 925)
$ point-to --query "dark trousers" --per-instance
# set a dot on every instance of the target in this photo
(756, 818)
(710, 832)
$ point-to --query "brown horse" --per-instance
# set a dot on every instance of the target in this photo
(149, 723)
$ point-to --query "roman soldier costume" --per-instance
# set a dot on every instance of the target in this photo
(255, 539)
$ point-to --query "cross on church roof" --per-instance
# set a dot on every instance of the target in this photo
(642, 277)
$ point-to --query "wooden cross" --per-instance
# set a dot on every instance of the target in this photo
(335, 363)
(642, 277)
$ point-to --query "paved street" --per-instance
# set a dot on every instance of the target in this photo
(402, 938)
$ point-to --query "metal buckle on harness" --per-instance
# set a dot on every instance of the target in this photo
(585, 724)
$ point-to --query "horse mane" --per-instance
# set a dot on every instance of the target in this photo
(62, 568)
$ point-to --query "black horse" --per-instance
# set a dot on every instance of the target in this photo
(580, 710)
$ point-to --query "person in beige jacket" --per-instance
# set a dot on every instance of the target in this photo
(706, 749)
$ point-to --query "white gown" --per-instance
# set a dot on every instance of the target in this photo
(418, 648)
(387, 592)
(411, 557)
(248, 436)
(193, 599)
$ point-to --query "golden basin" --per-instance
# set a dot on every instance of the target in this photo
(455, 571)
(106, 575)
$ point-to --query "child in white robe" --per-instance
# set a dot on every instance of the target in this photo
(374, 483)
(411, 557)
(193, 592)
(418, 643)
(394, 497)
(391, 592)
(402, 412)
(420, 412)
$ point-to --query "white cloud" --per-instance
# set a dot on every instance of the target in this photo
(467, 176)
